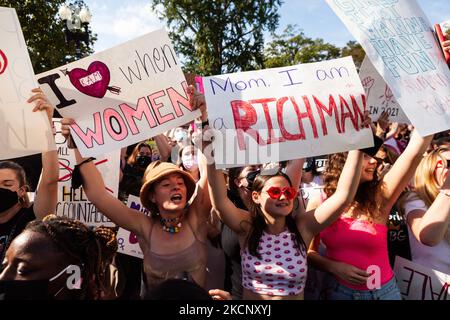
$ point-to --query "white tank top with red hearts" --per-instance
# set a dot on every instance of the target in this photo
(282, 269)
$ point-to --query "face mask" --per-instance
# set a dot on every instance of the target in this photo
(8, 199)
(189, 162)
(143, 161)
(180, 135)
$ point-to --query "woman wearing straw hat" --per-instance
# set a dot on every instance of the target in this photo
(173, 238)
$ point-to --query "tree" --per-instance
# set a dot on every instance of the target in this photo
(43, 33)
(220, 36)
(355, 50)
(293, 47)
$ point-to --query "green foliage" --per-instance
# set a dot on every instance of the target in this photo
(355, 50)
(293, 47)
(219, 36)
(43, 33)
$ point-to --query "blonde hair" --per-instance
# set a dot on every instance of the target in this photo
(425, 184)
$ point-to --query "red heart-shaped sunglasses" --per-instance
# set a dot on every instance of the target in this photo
(276, 192)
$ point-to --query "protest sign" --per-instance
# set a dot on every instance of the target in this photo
(420, 283)
(127, 241)
(400, 42)
(121, 96)
(73, 203)
(22, 132)
(286, 113)
(378, 94)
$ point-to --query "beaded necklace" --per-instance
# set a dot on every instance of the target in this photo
(171, 225)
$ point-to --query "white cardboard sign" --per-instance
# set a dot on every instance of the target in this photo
(399, 40)
(22, 132)
(286, 113)
(73, 203)
(121, 96)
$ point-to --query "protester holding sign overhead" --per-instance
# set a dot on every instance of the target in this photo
(427, 211)
(357, 242)
(15, 208)
(273, 243)
(173, 238)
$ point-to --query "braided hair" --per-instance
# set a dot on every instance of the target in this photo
(92, 250)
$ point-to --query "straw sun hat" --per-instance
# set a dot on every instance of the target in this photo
(158, 170)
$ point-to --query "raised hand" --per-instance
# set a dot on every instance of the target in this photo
(41, 103)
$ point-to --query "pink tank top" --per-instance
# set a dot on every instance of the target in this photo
(359, 243)
(281, 270)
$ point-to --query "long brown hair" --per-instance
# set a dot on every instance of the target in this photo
(21, 177)
(367, 198)
(259, 223)
(132, 158)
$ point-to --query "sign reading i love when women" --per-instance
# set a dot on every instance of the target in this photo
(122, 95)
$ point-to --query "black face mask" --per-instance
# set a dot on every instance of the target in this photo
(143, 161)
(8, 199)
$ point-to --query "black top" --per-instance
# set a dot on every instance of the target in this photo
(12, 228)
(131, 181)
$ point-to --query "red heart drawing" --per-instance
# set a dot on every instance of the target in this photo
(3, 62)
(133, 239)
(93, 82)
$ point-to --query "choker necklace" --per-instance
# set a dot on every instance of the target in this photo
(171, 225)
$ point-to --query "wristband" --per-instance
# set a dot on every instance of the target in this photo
(77, 179)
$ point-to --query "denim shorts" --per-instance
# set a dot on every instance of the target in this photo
(388, 291)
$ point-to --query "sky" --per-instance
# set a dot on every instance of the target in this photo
(117, 21)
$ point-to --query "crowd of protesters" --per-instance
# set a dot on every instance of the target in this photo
(301, 229)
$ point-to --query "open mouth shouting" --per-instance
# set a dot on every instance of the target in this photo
(176, 197)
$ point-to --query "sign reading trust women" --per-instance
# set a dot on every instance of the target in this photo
(122, 95)
(399, 41)
(22, 132)
(286, 113)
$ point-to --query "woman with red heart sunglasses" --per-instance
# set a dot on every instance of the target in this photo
(274, 243)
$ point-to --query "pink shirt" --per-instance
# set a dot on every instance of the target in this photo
(359, 243)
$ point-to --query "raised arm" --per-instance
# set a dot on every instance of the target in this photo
(95, 190)
(396, 180)
(47, 190)
(164, 148)
(430, 227)
(294, 171)
(326, 213)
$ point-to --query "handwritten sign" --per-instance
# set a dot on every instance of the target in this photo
(378, 94)
(121, 96)
(127, 241)
(286, 113)
(22, 132)
(420, 283)
(73, 203)
(399, 41)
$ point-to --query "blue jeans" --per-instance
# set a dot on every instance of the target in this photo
(388, 291)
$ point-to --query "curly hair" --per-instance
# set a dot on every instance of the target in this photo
(259, 223)
(93, 250)
(368, 194)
